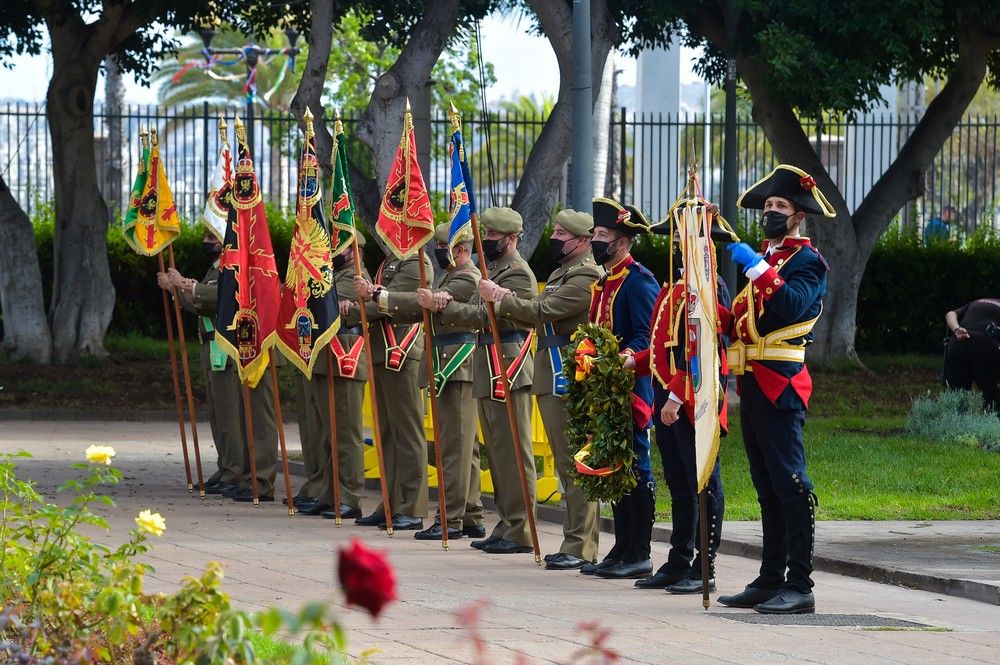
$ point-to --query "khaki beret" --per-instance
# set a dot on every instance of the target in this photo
(577, 223)
(502, 220)
(441, 233)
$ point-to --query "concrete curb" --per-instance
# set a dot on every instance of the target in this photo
(961, 588)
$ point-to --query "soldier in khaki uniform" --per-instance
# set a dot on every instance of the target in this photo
(221, 384)
(453, 348)
(510, 271)
(349, 376)
(201, 297)
(557, 311)
(396, 353)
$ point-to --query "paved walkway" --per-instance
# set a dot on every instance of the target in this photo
(272, 559)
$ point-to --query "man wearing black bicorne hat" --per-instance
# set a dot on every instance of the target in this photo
(770, 325)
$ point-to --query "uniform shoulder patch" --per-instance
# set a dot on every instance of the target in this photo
(635, 266)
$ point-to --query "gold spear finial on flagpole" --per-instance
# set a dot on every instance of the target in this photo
(307, 120)
(338, 123)
(241, 131)
(453, 115)
(143, 137)
(223, 130)
(152, 137)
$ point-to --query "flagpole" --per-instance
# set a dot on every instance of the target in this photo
(432, 390)
(248, 431)
(376, 430)
(703, 545)
(281, 432)
(334, 440)
(505, 380)
(187, 379)
(173, 374)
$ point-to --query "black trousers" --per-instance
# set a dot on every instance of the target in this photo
(974, 360)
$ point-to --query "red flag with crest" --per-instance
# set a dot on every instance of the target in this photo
(405, 219)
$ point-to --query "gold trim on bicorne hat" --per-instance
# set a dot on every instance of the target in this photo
(501, 220)
(624, 218)
(576, 223)
(788, 182)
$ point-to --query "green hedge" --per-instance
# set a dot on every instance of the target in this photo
(905, 292)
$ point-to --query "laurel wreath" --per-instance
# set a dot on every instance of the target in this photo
(599, 404)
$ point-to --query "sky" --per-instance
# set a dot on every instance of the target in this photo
(524, 65)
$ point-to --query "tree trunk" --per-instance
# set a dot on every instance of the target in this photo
(380, 125)
(538, 187)
(310, 90)
(25, 328)
(83, 296)
(114, 94)
(847, 241)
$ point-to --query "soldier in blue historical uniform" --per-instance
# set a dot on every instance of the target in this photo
(623, 301)
(770, 325)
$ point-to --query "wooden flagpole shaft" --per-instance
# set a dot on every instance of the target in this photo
(281, 433)
(511, 418)
(251, 453)
(376, 431)
(187, 382)
(173, 374)
(334, 440)
(432, 389)
(703, 545)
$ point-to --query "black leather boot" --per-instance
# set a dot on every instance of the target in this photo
(775, 555)
(796, 595)
(684, 528)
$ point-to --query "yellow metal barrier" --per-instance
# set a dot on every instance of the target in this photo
(547, 488)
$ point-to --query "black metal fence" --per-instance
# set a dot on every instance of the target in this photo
(641, 158)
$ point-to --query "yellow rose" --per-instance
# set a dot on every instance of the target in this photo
(100, 454)
(151, 522)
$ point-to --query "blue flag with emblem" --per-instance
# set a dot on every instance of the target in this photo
(461, 201)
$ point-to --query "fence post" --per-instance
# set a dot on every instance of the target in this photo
(204, 141)
(621, 159)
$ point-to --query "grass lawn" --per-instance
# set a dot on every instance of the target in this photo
(863, 462)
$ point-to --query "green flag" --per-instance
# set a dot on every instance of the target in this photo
(132, 214)
(342, 211)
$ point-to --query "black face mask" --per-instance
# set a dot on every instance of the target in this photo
(775, 224)
(339, 261)
(441, 256)
(601, 250)
(493, 250)
(558, 249)
(211, 248)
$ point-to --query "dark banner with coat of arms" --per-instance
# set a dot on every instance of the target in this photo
(249, 289)
(308, 317)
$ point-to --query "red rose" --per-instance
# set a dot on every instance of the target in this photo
(807, 182)
(366, 577)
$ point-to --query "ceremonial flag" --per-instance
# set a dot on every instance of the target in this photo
(461, 204)
(217, 205)
(128, 222)
(405, 219)
(342, 211)
(249, 290)
(694, 223)
(309, 315)
(156, 223)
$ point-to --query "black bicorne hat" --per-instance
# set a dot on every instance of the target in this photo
(788, 182)
(625, 218)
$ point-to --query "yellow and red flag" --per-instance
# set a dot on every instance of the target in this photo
(156, 223)
(405, 219)
(249, 289)
(309, 315)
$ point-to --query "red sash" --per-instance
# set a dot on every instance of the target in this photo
(513, 369)
(347, 361)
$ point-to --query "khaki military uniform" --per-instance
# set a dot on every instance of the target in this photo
(226, 413)
(510, 272)
(557, 311)
(349, 375)
(221, 385)
(397, 350)
(456, 404)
